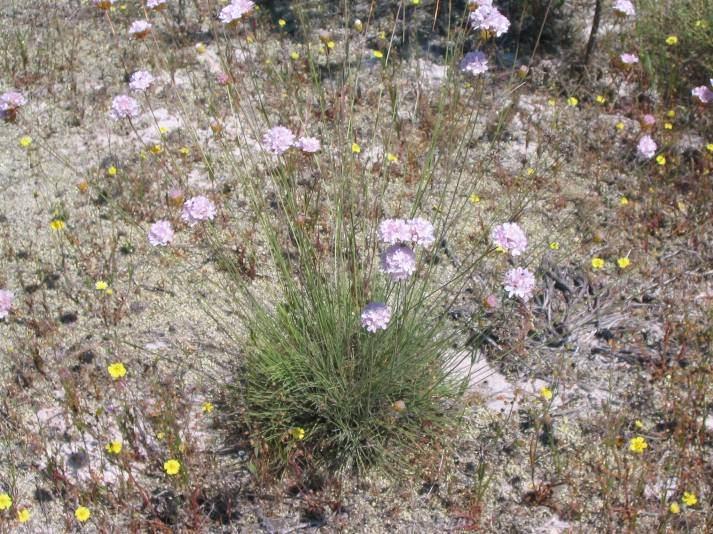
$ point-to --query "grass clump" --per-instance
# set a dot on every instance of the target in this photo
(676, 44)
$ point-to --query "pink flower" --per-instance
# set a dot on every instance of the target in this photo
(235, 11)
(222, 78)
(646, 147)
(278, 139)
(393, 231)
(488, 18)
(648, 120)
(624, 7)
(140, 80)
(510, 237)
(308, 144)
(474, 63)
(155, 4)
(519, 282)
(375, 316)
(124, 107)
(491, 302)
(629, 59)
(140, 28)
(197, 209)
(399, 262)
(421, 232)
(703, 94)
(11, 101)
(161, 233)
(6, 298)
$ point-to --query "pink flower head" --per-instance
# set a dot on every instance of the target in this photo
(510, 237)
(140, 28)
(474, 63)
(278, 139)
(421, 232)
(155, 4)
(222, 78)
(308, 144)
(624, 7)
(399, 262)
(648, 120)
(124, 107)
(519, 282)
(161, 233)
(235, 11)
(488, 18)
(629, 59)
(11, 101)
(394, 231)
(703, 94)
(197, 209)
(6, 298)
(375, 316)
(140, 80)
(646, 147)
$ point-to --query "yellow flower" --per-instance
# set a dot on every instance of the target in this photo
(5, 501)
(623, 262)
(600, 99)
(639, 424)
(701, 24)
(597, 263)
(25, 141)
(297, 433)
(200, 48)
(671, 40)
(546, 393)
(156, 149)
(637, 445)
(391, 158)
(689, 498)
(113, 447)
(331, 45)
(282, 23)
(619, 125)
(530, 171)
(378, 54)
(661, 159)
(82, 514)
(415, 2)
(356, 148)
(623, 201)
(207, 407)
(184, 151)
(101, 285)
(172, 467)
(23, 515)
(709, 147)
(473, 198)
(109, 291)
(358, 25)
(671, 113)
(551, 102)
(57, 225)
(668, 126)
(111, 171)
(554, 245)
(162, 130)
(572, 101)
(117, 370)
(674, 508)
(294, 55)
